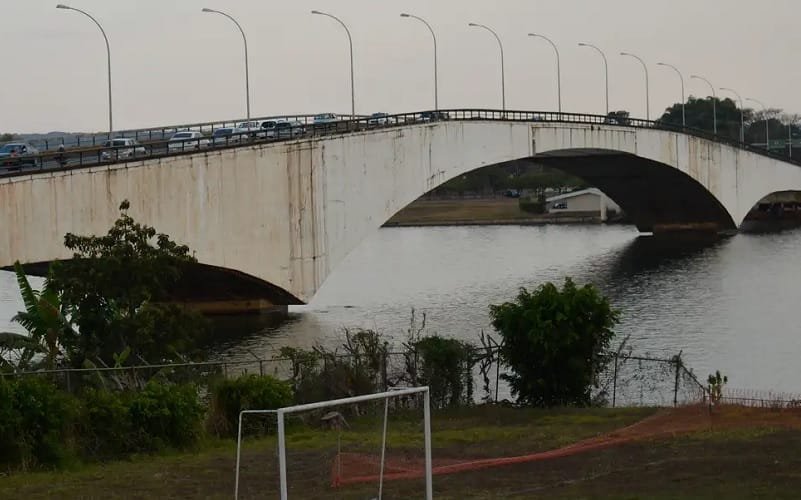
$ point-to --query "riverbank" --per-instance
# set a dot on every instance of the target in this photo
(479, 211)
(686, 452)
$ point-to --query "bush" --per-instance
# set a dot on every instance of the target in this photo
(556, 342)
(248, 392)
(532, 206)
(106, 430)
(37, 424)
(445, 365)
(165, 415)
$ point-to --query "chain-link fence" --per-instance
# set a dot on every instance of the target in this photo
(629, 380)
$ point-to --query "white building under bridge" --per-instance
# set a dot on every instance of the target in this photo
(589, 202)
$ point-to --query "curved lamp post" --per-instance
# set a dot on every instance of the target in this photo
(434, 36)
(108, 62)
(681, 77)
(247, 71)
(350, 45)
(558, 67)
(503, 73)
(767, 121)
(742, 118)
(714, 103)
(606, 70)
(647, 91)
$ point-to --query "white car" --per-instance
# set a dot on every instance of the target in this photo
(122, 149)
(187, 141)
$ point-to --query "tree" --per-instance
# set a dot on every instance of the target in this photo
(556, 342)
(7, 137)
(117, 286)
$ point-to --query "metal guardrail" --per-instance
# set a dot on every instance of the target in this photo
(90, 140)
(155, 144)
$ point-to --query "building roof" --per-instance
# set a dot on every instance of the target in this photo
(574, 194)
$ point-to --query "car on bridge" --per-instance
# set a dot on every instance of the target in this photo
(15, 155)
(187, 140)
(284, 129)
(122, 148)
(324, 118)
(228, 135)
(378, 119)
(433, 116)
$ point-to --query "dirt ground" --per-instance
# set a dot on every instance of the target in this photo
(638, 453)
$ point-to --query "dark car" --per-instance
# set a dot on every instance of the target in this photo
(18, 154)
(432, 116)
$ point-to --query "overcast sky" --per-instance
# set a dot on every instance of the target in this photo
(173, 64)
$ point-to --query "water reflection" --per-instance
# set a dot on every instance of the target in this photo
(728, 304)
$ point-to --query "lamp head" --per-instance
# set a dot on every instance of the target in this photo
(62, 6)
(582, 44)
(208, 10)
(533, 34)
(316, 12)
(405, 15)
(474, 25)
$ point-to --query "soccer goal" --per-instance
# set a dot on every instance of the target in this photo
(346, 467)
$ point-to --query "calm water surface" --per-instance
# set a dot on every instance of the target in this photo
(731, 305)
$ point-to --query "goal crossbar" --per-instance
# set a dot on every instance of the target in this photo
(281, 412)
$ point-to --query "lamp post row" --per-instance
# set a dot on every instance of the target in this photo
(503, 73)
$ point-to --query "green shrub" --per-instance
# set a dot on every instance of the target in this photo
(445, 366)
(106, 428)
(164, 415)
(532, 206)
(556, 342)
(37, 424)
(248, 392)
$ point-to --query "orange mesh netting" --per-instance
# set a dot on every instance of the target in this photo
(354, 468)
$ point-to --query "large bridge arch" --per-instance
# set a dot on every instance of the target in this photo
(287, 213)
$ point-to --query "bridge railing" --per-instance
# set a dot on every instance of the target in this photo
(156, 142)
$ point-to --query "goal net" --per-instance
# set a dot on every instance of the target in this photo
(373, 446)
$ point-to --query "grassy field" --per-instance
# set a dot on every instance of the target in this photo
(468, 211)
(686, 454)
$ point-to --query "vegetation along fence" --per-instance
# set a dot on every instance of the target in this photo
(631, 380)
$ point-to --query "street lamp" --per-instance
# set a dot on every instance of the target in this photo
(247, 71)
(503, 74)
(767, 121)
(350, 45)
(714, 103)
(558, 67)
(647, 97)
(434, 36)
(108, 63)
(742, 118)
(681, 77)
(606, 70)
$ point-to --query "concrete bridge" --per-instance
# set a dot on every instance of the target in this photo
(270, 219)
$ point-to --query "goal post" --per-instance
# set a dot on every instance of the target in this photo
(282, 413)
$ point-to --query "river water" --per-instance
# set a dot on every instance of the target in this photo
(730, 304)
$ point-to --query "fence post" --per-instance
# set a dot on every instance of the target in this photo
(261, 367)
(676, 384)
(384, 377)
(614, 382)
(497, 372)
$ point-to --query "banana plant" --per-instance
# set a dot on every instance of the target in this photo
(45, 318)
(17, 351)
